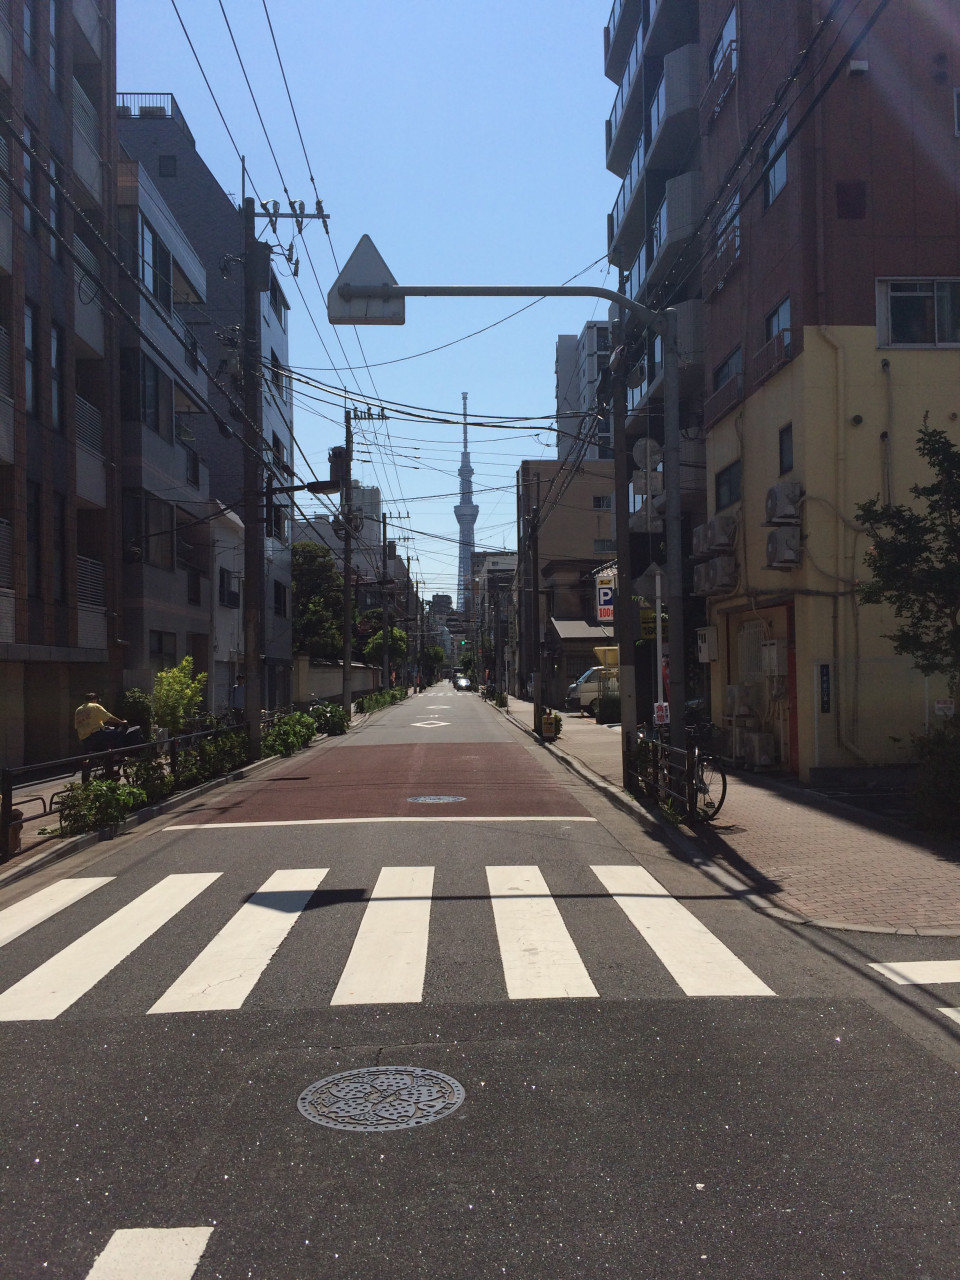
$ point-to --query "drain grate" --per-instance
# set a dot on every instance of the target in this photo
(377, 1099)
(435, 799)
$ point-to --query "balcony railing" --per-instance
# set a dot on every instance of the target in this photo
(772, 356)
(717, 268)
(716, 91)
(89, 422)
(723, 400)
(627, 188)
(85, 116)
(6, 555)
(152, 106)
(658, 107)
(4, 174)
(85, 263)
(6, 385)
(634, 63)
(90, 583)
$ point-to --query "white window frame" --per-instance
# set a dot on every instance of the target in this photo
(772, 170)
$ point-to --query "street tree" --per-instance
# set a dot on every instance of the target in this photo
(373, 650)
(317, 602)
(914, 560)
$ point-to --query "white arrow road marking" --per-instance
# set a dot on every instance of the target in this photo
(151, 1253)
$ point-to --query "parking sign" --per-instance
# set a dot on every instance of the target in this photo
(605, 599)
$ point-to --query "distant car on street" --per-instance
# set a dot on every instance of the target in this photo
(461, 682)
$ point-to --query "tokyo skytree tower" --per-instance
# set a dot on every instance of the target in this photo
(466, 512)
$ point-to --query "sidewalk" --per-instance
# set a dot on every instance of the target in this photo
(797, 852)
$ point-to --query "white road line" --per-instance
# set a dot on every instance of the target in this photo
(698, 962)
(151, 1253)
(389, 956)
(332, 822)
(229, 967)
(45, 903)
(540, 960)
(920, 972)
(56, 985)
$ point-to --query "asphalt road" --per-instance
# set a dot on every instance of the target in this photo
(657, 1081)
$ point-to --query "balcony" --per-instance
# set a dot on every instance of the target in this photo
(90, 21)
(690, 358)
(90, 583)
(673, 226)
(625, 124)
(91, 478)
(6, 401)
(715, 94)
(625, 220)
(88, 310)
(89, 422)
(674, 110)
(86, 143)
(723, 400)
(6, 211)
(773, 355)
(619, 34)
(6, 44)
(726, 258)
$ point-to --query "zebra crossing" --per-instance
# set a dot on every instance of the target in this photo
(151, 1253)
(923, 973)
(387, 962)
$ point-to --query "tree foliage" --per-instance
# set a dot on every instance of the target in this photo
(317, 602)
(373, 650)
(915, 561)
(177, 695)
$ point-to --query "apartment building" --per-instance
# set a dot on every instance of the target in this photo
(59, 415)
(794, 191)
(154, 132)
(583, 427)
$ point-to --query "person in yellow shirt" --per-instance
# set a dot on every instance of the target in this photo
(98, 730)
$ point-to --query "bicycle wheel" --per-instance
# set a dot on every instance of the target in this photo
(711, 788)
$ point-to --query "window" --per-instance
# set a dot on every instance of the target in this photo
(603, 502)
(604, 546)
(280, 599)
(192, 461)
(29, 192)
(30, 357)
(279, 451)
(163, 650)
(58, 539)
(786, 448)
(53, 45)
(278, 522)
(918, 313)
(727, 485)
(726, 43)
(29, 34)
(728, 224)
(193, 586)
(53, 207)
(56, 377)
(279, 376)
(731, 368)
(277, 302)
(155, 264)
(167, 166)
(956, 112)
(159, 532)
(778, 321)
(774, 165)
(228, 594)
(34, 528)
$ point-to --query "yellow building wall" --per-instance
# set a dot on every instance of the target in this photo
(855, 412)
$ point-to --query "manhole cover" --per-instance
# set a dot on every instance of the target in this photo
(434, 799)
(374, 1099)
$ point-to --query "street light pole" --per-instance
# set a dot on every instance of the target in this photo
(253, 515)
(346, 514)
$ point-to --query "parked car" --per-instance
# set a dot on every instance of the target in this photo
(585, 694)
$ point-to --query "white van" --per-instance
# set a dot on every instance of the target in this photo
(585, 694)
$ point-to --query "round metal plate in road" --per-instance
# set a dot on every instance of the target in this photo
(377, 1099)
(435, 799)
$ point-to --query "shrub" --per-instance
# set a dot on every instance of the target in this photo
(136, 707)
(88, 806)
(330, 718)
(936, 792)
(500, 700)
(377, 701)
(288, 734)
(177, 695)
(150, 775)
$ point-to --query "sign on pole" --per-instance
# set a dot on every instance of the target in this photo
(605, 589)
(365, 266)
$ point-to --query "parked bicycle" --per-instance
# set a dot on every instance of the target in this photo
(709, 775)
(693, 776)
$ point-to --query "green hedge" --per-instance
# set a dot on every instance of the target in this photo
(288, 734)
(376, 701)
(330, 718)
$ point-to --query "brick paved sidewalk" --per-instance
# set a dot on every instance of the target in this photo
(800, 852)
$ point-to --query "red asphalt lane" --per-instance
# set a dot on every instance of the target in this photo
(494, 779)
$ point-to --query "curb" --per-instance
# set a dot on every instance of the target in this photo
(688, 849)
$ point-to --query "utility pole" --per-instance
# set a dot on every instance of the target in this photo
(535, 646)
(256, 257)
(346, 514)
(386, 611)
(625, 617)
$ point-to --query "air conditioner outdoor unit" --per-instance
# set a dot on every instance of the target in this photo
(783, 503)
(722, 533)
(783, 548)
(723, 573)
(701, 579)
(701, 542)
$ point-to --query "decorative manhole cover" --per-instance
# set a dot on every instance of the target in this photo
(435, 799)
(374, 1099)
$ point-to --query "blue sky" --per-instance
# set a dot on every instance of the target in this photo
(467, 140)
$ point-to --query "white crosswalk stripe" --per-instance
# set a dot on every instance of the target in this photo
(388, 956)
(923, 973)
(151, 1253)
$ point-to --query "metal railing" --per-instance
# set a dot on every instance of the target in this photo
(634, 63)
(627, 188)
(6, 383)
(85, 116)
(6, 555)
(90, 592)
(152, 106)
(89, 422)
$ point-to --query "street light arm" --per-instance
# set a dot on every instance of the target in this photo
(655, 319)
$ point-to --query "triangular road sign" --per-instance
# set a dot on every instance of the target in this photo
(364, 267)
